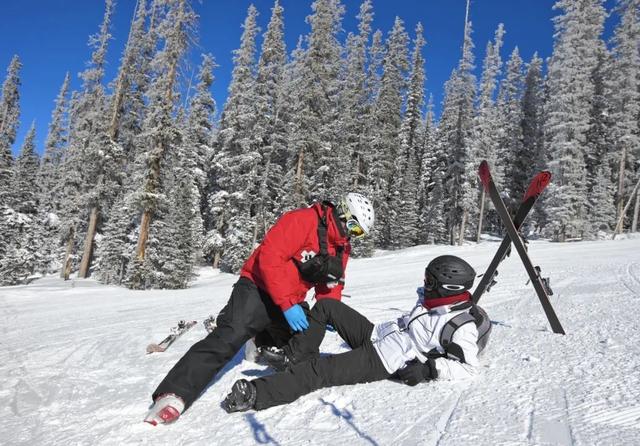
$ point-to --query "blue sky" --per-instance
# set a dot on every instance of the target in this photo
(50, 36)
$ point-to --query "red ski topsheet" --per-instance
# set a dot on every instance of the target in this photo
(538, 184)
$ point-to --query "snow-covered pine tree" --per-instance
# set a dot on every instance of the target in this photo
(237, 162)
(599, 152)
(199, 139)
(88, 144)
(296, 182)
(486, 135)
(354, 111)
(510, 144)
(571, 89)
(160, 133)
(404, 193)
(533, 156)
(625, 88)
(49, 180)
(23, 249)
(454, 138)
(24, 187)
(431, 224)
(55, 146)
(321, 164)
(109, 159)
(386, 125)
(120, 231)
(9, 122)
(272, 119)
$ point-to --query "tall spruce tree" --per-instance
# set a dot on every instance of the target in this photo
(432, 225)
(161, 135)
(625, 87)
(387, 122)
(532, 158)
(237, 161)
(272, 119)
(571, 89)
(404, 193)
(454, 139)
(108, 161)
(22, 252)
(88, 143)
(199, 150)
(510, 118)
(9, 122)
(355, 111)
(486, 138)
(54, 149)
(24, 185)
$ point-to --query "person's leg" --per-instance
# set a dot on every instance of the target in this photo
(356, 366)
(353, 327)
(242, 318)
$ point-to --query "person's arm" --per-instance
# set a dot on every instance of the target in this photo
(279, 247)
(462, 362)
(334, 290)
(462, 359)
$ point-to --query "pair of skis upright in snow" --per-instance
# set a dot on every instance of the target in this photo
(541, 285)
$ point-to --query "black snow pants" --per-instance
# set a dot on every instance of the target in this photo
(361, 364)
(249, 313)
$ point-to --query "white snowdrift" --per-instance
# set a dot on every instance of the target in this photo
(74, 369)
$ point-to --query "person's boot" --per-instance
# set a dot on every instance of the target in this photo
(275, 357)
(166, 409)
(241, 398)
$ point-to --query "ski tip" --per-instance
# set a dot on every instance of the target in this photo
(538, 184)
(155, 348)
(484, 173)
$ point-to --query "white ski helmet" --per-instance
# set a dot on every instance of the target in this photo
(362, 209)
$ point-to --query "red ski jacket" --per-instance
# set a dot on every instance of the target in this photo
(294, 236)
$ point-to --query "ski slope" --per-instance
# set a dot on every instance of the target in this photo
(74, 369)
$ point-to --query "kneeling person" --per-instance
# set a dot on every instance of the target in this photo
(410, 348)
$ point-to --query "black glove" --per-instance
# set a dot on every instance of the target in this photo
(415, 372)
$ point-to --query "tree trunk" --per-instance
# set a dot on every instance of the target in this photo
(65, 272)
(299, 171)
(158, 153)
(621, 169)
(481, 217)
(216, 259)
(619, 226)
(463, 224)
(144, 234)
(634, 223)
(88, 243)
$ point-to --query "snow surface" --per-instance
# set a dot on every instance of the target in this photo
(74, 369)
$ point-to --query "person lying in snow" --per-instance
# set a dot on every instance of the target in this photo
(409, 349)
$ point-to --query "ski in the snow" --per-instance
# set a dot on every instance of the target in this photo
(536, 187)
(534, 274)
(176, 332)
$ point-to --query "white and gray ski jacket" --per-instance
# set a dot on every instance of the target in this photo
(417, 333)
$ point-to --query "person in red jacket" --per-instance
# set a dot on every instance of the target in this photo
(306, 248)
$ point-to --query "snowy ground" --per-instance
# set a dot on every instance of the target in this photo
(74, 368)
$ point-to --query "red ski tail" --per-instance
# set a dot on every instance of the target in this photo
(538, 184)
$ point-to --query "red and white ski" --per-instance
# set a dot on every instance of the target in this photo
(176, 332)
(534, 273)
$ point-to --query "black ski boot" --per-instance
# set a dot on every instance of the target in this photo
(241, 398)
(274, 357)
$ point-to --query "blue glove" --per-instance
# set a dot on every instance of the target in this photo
(296, 318)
